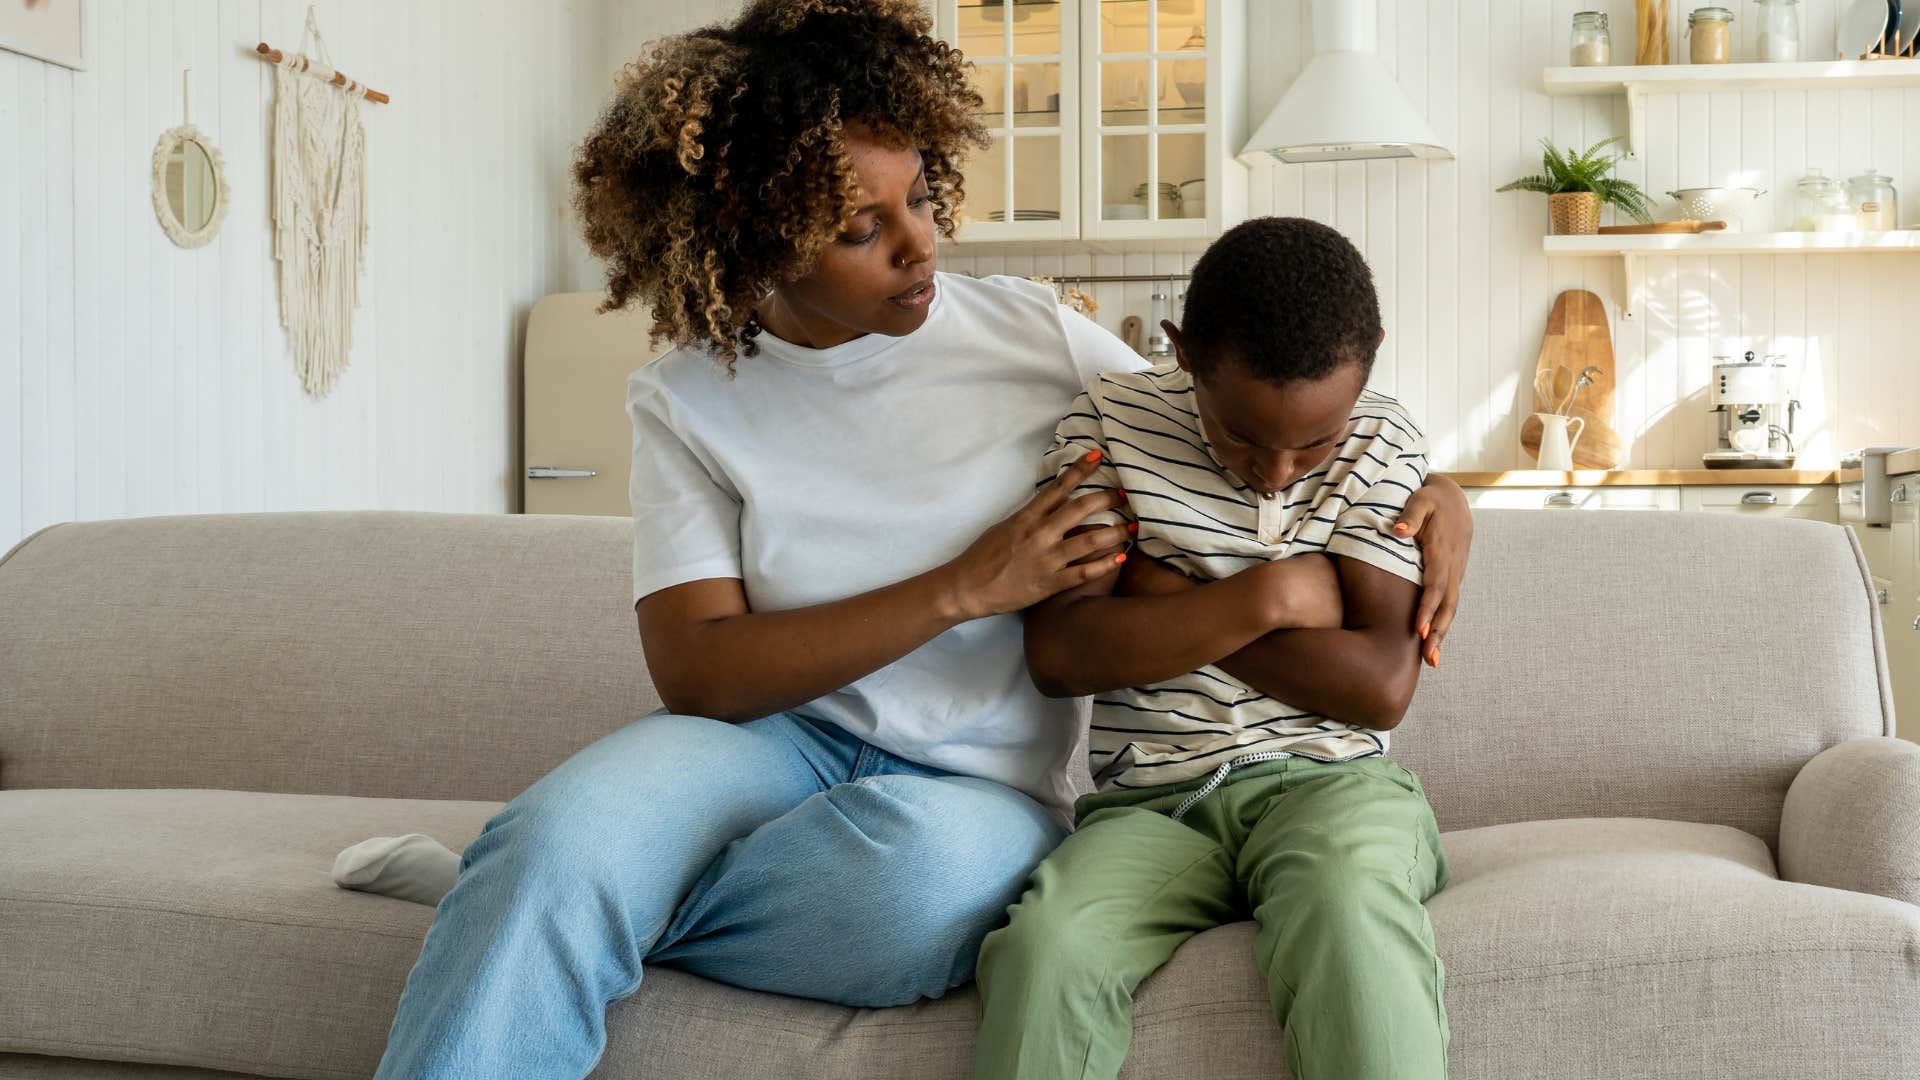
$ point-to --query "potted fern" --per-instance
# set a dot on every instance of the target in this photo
(1578, 185)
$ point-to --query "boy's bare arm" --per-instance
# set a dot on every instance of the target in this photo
(1088, 640)
(1346, 659)
(1363, 673)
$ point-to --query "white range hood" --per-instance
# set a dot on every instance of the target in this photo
(1345, 106)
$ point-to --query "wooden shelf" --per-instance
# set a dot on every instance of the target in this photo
(1703, 78)
(1632, 249)
(1639, 81)
(1726, 243)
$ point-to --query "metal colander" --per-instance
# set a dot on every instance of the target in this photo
(1726, 204)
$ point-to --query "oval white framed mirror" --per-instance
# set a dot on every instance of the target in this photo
(190, 191)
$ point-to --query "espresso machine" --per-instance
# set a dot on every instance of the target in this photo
(1755, 413)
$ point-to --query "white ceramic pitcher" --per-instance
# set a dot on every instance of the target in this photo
(1556, 447)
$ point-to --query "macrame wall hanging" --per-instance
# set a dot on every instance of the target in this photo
(319, 205)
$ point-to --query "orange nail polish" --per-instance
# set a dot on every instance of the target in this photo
(1094, 455)
(1133, 527)
(1424, 627)
(1401, 527)
(1120, 558)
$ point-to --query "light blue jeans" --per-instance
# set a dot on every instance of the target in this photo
(782, 855)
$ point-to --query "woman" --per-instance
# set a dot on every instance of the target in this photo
(835, 532)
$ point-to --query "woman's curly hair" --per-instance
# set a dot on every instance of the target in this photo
(719, 170)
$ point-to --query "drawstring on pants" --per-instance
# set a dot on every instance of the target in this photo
(1219, 776)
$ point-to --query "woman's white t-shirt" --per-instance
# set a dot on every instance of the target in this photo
(813, 475)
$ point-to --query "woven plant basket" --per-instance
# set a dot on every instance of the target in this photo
(1574, 213)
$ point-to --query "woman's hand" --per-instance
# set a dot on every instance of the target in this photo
(1439, 518)
(1029, 557)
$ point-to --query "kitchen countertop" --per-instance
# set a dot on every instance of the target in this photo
(1653, 477)
(1903, 461)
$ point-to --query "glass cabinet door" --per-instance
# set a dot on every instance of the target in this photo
(1145, 77)
(1023, 186)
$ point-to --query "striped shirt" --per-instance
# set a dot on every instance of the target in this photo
(1195, 516)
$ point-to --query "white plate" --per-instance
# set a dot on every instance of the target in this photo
(1909, 25)
(1860, 27)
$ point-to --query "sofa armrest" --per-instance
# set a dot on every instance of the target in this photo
(1852, 820)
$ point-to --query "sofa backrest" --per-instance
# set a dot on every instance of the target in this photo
(1663, 665)
(1604, 664)
(377, 653)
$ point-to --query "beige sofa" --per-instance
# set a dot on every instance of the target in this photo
(1681, 844)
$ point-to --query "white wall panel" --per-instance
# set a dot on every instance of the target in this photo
(140, 378)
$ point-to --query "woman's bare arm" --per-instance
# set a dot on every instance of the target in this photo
(710, 655)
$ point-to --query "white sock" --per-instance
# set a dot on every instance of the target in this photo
(413, 867)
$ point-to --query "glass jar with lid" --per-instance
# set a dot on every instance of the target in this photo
(1710, 35)
(1876, 205)
(1779, 31)
(1166, 207)
(1592, 43)
(1819, 205)
(1190, 72)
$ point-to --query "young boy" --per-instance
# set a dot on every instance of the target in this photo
(1245, 674)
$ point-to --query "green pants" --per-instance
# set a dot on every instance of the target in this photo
(1334, 862)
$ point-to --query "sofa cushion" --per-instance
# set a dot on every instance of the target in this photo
(42, 1067)
(1574, 949)
(200, 928)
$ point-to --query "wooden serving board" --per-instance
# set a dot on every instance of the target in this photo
(1683, 227)
(1577, 338)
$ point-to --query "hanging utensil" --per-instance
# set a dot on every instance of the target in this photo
(1585, 380)
(1544, 393)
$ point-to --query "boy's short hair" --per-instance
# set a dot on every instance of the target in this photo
(1285, 298)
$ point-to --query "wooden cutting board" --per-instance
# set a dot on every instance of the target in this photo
(1686, 228)
(1577, 338)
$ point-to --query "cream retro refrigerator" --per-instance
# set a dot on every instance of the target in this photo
(575, 439)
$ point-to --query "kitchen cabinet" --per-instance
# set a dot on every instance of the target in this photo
(1110, 120)
(1815, 503)
(1574, 498)
(1894, 556)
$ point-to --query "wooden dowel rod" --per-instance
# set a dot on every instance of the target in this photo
(273, 56)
